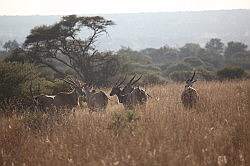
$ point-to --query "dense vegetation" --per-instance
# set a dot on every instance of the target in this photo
(216, 132)
(54, 51)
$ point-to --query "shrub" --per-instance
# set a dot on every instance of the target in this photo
(153, 79)
(194, 62)
(59, 86)
(207, 75)
(180, 76)
(177, 67)
(21, 81)
(231, 73)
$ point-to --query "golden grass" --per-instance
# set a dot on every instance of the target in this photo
(216, 132)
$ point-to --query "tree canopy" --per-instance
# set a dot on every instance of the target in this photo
(71, 43)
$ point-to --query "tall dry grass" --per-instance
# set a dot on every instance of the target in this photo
(216, 132)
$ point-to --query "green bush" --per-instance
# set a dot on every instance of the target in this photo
(177, 67)
(180, 76)
(206, 75)
(151, 79)
(194, 62)
(21, 81)
(231, 73)
(59, 86)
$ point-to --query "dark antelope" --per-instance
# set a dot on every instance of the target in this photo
(96, 101)
(44, 101)
(129, 96)
(189, 96)
(129, 87)
(69, 99)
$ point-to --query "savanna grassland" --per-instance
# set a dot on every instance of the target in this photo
(216, 132)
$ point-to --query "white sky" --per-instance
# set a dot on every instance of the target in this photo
(62, 7)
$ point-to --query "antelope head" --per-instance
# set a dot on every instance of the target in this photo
(116, 89)
(76, 85)
(190, 81)
(129, 87)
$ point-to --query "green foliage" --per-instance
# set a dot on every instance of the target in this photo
(22, 81)
(194, 62)
(11, 45)
(18, 55)
(235, 48)
(231, 73)
(14, 78)
(59, 86)
(180, 76)
(161, 55)
(127, 55)
(206, 75)
(176, 68)
(191, 50)
(215, 46)
(151, 79)
(62, 43)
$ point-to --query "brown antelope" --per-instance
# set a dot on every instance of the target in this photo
(137, 97)
(189, 96)
(44, 101)
(69, 99)
(96, 101)
(129, 87)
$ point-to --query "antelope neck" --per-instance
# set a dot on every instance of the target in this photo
(120, 96)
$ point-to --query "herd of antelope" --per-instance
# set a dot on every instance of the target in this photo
(128, 94)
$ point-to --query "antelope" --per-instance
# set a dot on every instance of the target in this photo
(96, 101)
(69, 99)
(129, 87)
(137, 97)
(44, 101)
(189, 96)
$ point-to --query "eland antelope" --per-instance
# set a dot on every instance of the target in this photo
(44, 101)
(189, 96)
(69, 99)
(96, 101)
(129, 87)
(137, 97)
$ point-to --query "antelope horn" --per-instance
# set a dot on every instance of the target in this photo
(70, 82)
(192, 77)
(132, 79)
(122, 80)
(136, 80)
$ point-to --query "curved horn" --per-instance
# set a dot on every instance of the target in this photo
(73, 82)
(136, 80)
(132, 79)
(117, 81)
(192, 77)
(69, 82)
(122, 80)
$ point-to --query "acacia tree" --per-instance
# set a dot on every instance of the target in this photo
(215, 46)
(71, 43)
(11, 45)
(235, 49)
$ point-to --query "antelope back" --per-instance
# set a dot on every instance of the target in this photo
(64, 99)
(97, 101)
(189, 97)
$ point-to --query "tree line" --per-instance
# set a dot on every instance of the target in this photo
(52, 52)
